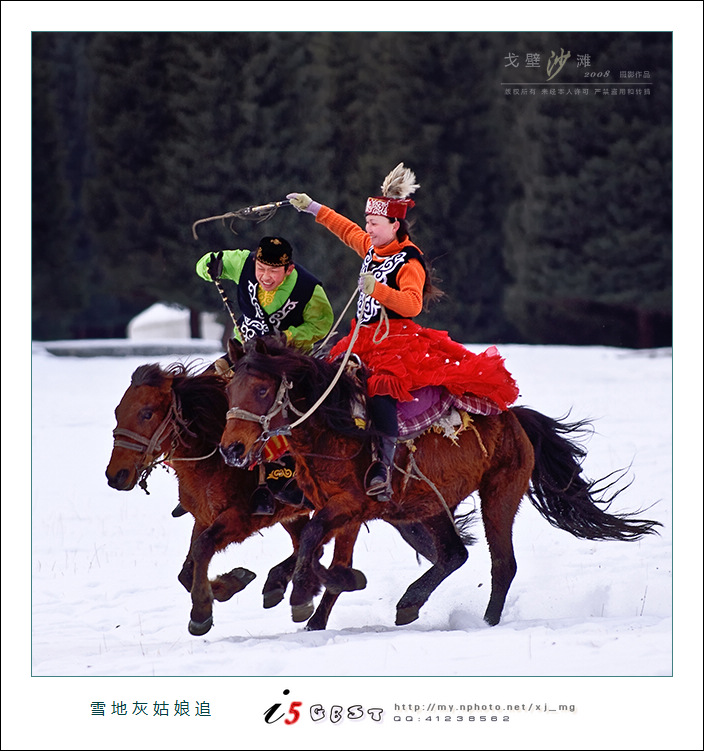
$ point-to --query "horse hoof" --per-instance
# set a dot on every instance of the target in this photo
(360, 580)
(229, 584)
(273, 597)
(198, 629)
(301, 613)
(242, 574)
(407, 615)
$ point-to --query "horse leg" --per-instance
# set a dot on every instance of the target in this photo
(450, 554)
(280, 575)
(202, 592)
(416, 534)
(186, 574)
(499, 506)
(224, 585)
(340, 565)
(340, 576)
(306, 581)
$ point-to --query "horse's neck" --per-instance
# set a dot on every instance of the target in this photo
(187, 437)
(187, 446)
(314, 441)
(187, 442)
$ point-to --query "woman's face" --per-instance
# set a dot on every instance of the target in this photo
(381, 230)
(270, 277)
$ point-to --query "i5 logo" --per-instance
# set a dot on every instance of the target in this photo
(273, 714)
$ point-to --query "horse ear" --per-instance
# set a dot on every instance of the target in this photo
(235, 350)
(260, 345)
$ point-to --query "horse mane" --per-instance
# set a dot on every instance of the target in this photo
(311, 376)
(200, 398)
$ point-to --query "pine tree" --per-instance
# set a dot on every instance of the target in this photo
(589, 240)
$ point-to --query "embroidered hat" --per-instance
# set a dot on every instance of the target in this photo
(393, 201)
(274, 251)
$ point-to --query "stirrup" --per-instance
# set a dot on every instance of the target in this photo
(378, 487)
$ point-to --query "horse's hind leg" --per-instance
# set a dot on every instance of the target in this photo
(416, 534)
(449, 554)
(499, 506)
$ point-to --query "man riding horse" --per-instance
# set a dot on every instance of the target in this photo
(274, 295)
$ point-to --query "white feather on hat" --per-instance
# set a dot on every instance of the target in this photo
(399, 183)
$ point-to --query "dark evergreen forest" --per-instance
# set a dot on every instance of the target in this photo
(545, 206)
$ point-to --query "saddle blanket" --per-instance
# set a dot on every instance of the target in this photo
(433, 404)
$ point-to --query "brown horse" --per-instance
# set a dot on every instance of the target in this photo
(180, 415)
(504, 457)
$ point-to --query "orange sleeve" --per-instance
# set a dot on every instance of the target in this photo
(407, 300)
(350, 233)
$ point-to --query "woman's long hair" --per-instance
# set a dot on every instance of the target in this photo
(431, 291)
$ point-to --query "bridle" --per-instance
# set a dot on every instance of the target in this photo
(150, 448)
(281, 405)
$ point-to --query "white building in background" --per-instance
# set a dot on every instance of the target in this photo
(162, 321)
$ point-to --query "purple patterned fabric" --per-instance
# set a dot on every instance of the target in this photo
(433, 403)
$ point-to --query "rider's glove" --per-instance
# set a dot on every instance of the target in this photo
(367, 282)
(303, 202)
(215, 265)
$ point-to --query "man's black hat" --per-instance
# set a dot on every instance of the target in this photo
(274, 251)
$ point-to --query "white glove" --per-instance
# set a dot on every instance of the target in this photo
(366, 283)
(300, 201)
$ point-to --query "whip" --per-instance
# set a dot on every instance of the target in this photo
(254, 213)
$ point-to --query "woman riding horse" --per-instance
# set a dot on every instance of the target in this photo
(402, 356)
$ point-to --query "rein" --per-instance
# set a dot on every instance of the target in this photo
(409, 475)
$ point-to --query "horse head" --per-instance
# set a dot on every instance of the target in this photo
(144, 424)
(277, 389)
(258, 401)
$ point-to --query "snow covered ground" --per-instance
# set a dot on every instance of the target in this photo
(105, 601)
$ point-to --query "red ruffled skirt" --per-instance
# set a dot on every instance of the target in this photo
(412, 357)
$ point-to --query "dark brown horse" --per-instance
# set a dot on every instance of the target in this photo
(504, 457)
(180, 415)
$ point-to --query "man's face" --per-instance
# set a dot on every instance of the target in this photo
(270, 277)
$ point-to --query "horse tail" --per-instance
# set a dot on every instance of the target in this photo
(463, 525)
(562, 494)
